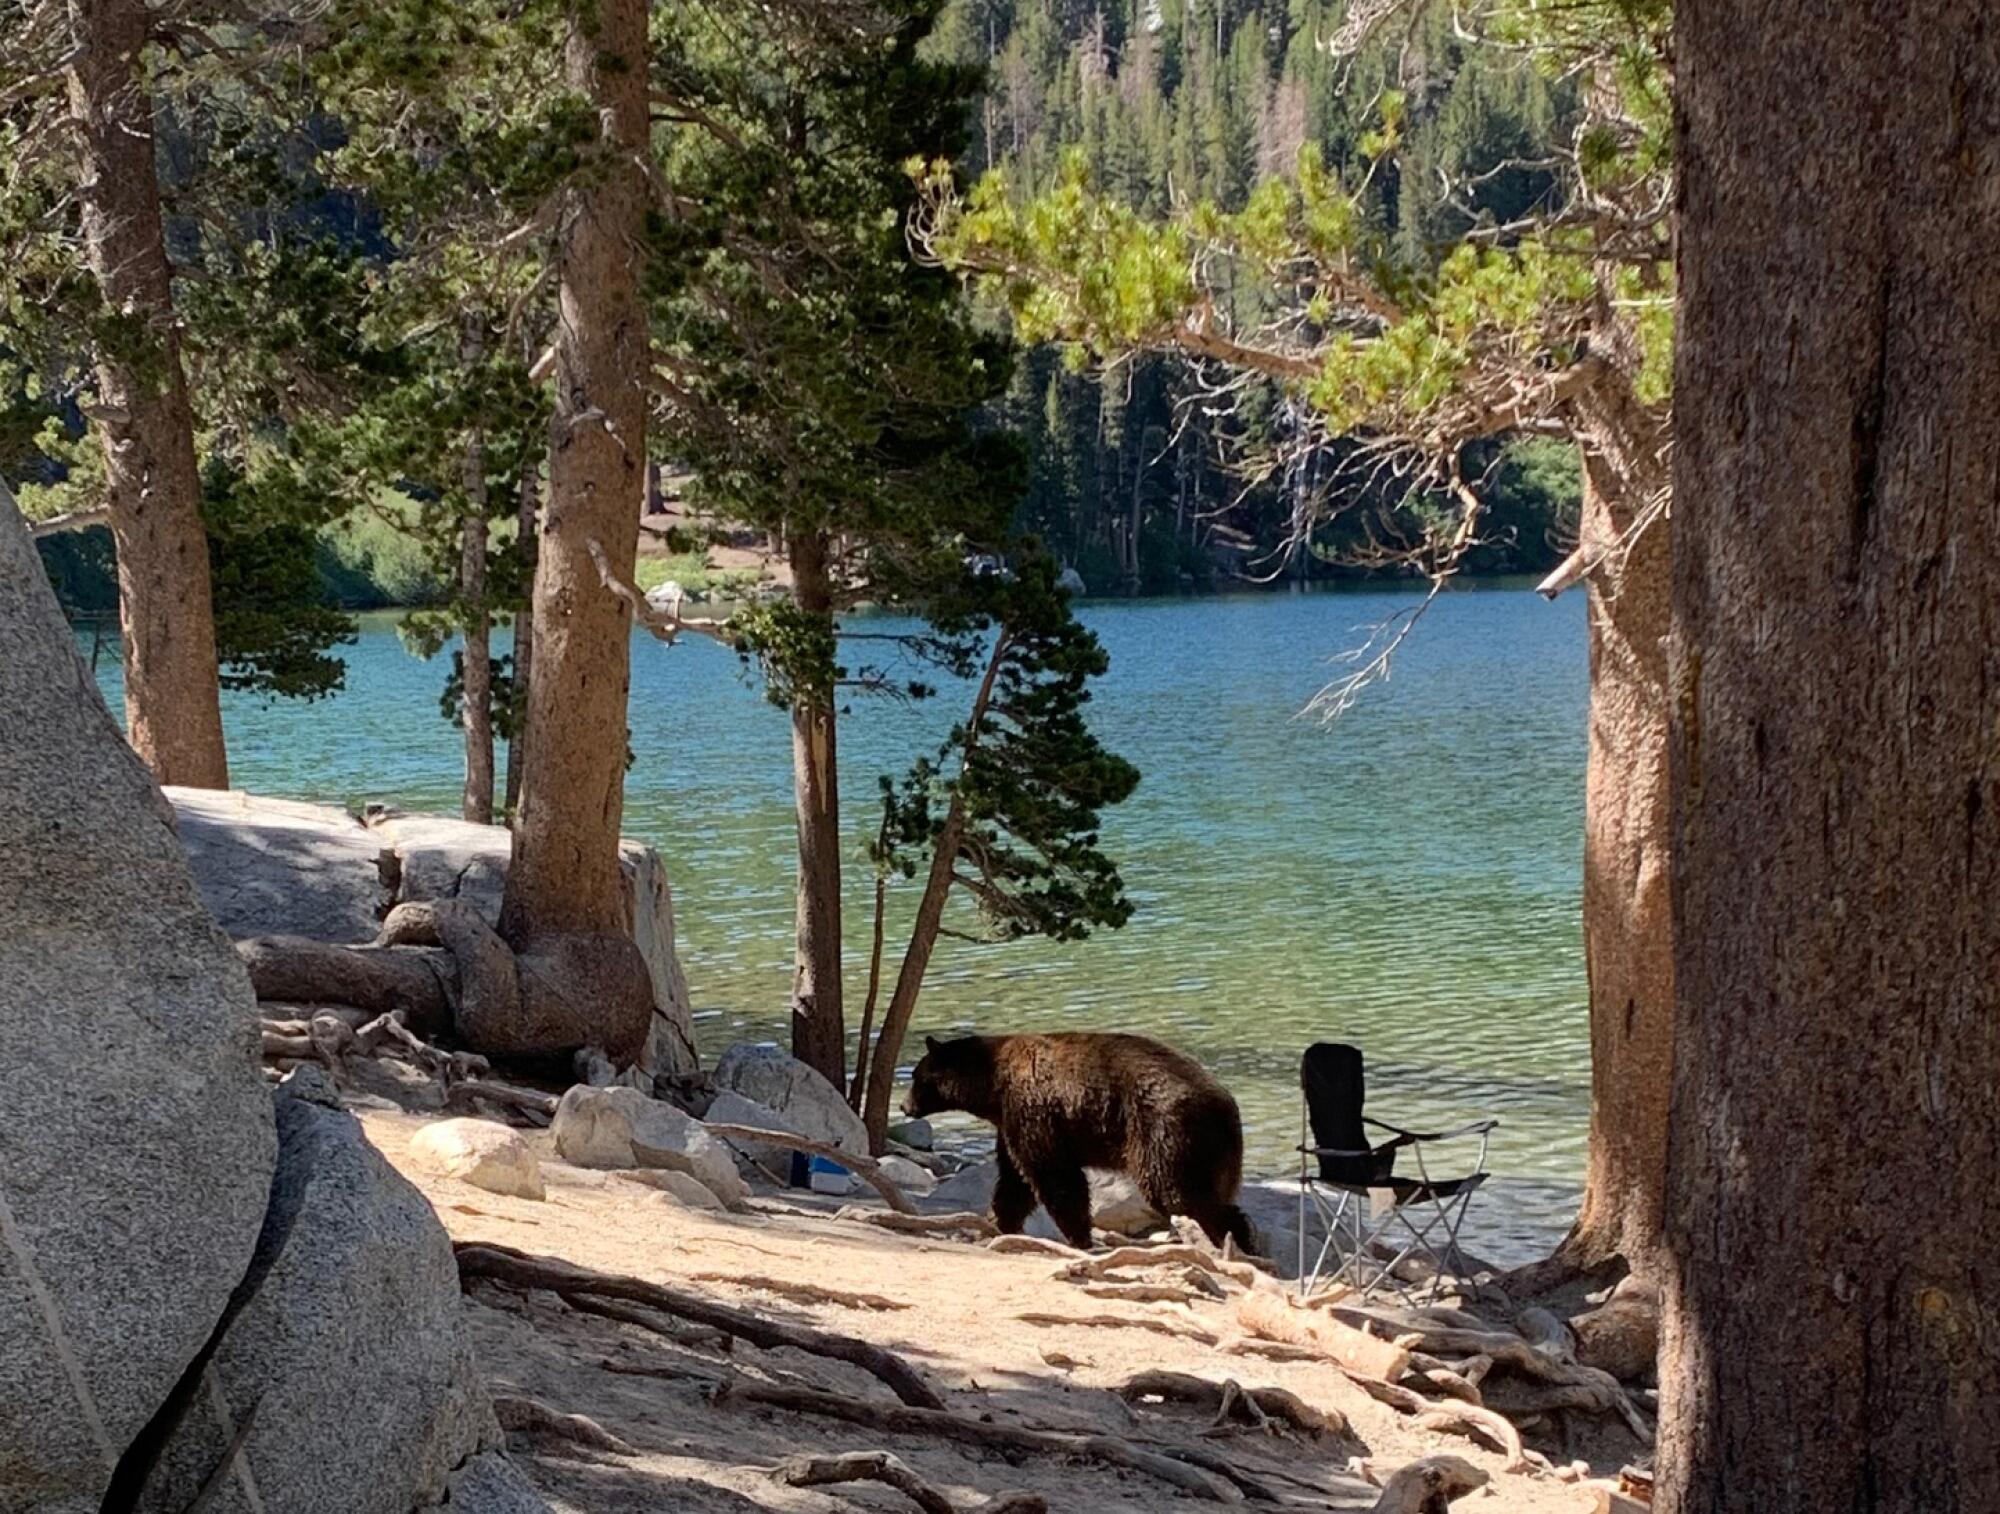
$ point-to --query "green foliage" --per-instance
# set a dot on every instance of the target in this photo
(1031, 781)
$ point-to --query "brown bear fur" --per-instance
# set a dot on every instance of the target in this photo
(1065, 1102)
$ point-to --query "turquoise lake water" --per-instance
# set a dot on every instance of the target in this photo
(1407, 880)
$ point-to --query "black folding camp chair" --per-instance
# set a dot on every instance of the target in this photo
(1349, 1184)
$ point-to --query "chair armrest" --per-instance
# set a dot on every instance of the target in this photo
(1477, 1127)
(1335, 1151)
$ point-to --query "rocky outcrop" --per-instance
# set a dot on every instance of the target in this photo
(809, 1105)
(481, 1153)
(281, 868)
(621, 1127)
(353, 1311)
(138, 1144)
(199, 1292)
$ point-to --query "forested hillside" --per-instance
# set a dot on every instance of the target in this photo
(1142, 477)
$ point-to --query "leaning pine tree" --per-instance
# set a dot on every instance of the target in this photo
(1558, 322)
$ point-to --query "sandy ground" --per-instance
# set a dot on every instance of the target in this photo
(957, 1321)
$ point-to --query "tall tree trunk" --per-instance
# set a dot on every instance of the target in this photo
(924, 932)
(819, 1032)
(526, 543)
(477, 674)
(173, 703)
(1830, 1335)
(564, 877)
(1627, 914)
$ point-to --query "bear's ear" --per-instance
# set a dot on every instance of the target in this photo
(931, 1043)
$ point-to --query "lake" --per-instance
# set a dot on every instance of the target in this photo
(1407, 879)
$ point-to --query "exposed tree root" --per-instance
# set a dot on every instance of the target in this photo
(883, 1467)
(800, 1293)
(1272, 1316)
(1466, 1419)
(1201, 1258)
(1429, 1486)
(647, 1319)
(530, 1416)
(1030, 1245)
(519, 1268)
(865, 1167)
(964, 1222)
(1122, 1322)
(526, 1101)
(451, 973)
(1261, 1407)
(1150, 1293)
(902, 1419)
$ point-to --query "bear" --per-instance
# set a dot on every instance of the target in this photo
(1078, 1099)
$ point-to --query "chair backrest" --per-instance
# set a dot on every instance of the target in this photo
(1330, 1074)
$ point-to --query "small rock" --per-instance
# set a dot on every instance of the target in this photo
(970, 1189)
(775, 1161)
(915, 1134)
(682, 1188)
(811, 1105)
(481, 1153)
(621, 1127)
(908, 1176)
(1116, 1204)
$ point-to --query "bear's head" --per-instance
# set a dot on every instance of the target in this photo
(955, 1074)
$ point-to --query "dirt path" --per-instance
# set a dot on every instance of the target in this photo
(952, 1309)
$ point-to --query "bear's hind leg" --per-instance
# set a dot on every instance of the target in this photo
(1065, 1193)
(1013, 1199)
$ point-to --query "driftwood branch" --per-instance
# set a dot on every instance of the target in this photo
(902, 1419)
(867, 1168)
(504, 1264)
(883, 1467)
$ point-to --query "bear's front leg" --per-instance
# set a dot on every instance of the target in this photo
(1013, 1199)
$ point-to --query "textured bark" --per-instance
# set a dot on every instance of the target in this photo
(924, 932)
(1829, 1337)
(819, 1032)
(173, 703)
(477, 709)
(526, 542)
(564, 874)
(1627, 917)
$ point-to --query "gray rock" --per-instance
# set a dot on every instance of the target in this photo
(279, 867)
(811, 1105)
(621, 1127)
(916, 1181)
(915, 1134)
(489, 1483)
(731, 1108)
(682, 1189)
(1116, 1204)
(355, 1323)
(275, 867)
(137, 1145)
(971, 1188)
(481, 1153)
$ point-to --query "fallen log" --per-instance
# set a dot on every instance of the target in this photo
(1271, 1315)
(884, 1467)
(504, 1264)
(902, 1419)
(864, 1167)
